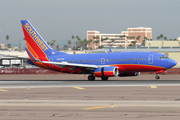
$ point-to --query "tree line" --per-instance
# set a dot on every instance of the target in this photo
(162, 37)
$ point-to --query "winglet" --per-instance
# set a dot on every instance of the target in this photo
(110, 50)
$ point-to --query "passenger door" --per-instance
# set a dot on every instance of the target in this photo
(150, 59)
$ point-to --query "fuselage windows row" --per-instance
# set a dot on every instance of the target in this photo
(103, 60)
(132, 59)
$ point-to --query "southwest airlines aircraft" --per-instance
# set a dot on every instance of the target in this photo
(102, 65)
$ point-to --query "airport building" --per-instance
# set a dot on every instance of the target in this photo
(123, 39)
(163, 44)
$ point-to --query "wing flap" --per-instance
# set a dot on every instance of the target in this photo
(73, 64)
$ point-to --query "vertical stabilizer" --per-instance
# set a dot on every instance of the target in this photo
(36, 45)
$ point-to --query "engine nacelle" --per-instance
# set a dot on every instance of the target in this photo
(126, 74)
(109, 71)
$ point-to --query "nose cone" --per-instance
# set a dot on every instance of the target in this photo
(172, 63)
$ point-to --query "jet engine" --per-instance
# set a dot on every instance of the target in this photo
(126, 74)
(109, 71)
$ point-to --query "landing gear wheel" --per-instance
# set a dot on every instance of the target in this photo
(104, 78)
(157, 77)
(91, 77)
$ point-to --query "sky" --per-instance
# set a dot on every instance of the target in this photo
(60, 19)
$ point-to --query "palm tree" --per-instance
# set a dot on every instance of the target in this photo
(81, 42)
(121, 36)
(8, 45)
(134, 43)
(85, 42)
(138, 37)
(69, 42)
(7, 38)
(95, 42)
(89, 42)
(161, 36)
(112, 40)
(52, 43)
(73, 39)
(102, 39)
(65, 47)
(158, 37)
(165, 38)
(130, 45)
(77, 37)
(100, 47)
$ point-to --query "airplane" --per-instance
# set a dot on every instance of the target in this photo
(104, 65)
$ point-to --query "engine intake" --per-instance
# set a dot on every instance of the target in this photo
(110, 71)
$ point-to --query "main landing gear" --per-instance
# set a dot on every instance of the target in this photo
(92, 78)
(157, 77)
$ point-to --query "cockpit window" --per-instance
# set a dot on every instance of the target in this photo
(163, 57)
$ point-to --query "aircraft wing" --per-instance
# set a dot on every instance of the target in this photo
(74, 66)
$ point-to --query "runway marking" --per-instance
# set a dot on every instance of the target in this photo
(79, 88)
(99, 107)
(153, 87)
(4, 90)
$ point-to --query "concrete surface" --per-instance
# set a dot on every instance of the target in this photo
(87, 103)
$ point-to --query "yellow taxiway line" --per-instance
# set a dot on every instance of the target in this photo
(153, 87)
(3, 90)
(78, 88)
(99, 107)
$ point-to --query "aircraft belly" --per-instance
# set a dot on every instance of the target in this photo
(139, 68)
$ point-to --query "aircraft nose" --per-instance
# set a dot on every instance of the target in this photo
(172, 63)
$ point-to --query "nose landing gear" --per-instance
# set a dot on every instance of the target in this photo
(157, 77)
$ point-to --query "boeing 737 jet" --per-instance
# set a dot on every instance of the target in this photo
(102, 65)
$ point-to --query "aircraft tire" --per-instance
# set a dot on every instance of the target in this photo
(91, 77)
(157, 77)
